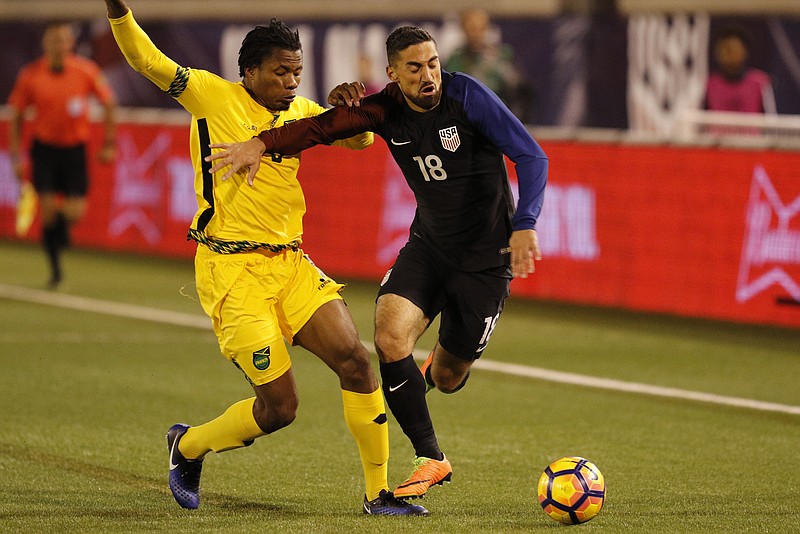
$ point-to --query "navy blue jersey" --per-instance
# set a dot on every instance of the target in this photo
(451, 157)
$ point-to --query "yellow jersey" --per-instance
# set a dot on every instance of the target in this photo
(232, 216)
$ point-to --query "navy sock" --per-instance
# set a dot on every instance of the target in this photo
(404, 389)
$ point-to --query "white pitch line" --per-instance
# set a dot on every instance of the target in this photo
(145, 313)
(632, 387)
(118, 309)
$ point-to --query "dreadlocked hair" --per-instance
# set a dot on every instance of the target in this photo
(262, 41)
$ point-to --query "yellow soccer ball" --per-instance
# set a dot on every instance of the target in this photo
(572, 490)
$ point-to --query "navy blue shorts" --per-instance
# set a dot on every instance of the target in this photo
(470, 303)
(59, 170)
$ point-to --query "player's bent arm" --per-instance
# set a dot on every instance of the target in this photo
(14, 141)
(506, 132)
(19, 100)
(15, 133)
(196, 90)
(531, 178)
(335, 124)
(237, 156)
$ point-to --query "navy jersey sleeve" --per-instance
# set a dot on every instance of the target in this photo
(489, 115)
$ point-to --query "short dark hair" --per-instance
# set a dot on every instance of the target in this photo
(402, 38)
(59, 23)
(736, 31)
(262, 41)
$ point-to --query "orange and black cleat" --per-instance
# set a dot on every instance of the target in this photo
(427, 472)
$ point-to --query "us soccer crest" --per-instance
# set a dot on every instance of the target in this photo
(450, 139)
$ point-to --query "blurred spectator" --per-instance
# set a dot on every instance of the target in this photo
(365, 75)
(491, 62)
(57, 87)
(735, 86)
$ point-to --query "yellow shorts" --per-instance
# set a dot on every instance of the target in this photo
(255, 299)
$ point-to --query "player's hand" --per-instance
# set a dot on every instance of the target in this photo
(524, 245)
(238, 156)
(116, 8)
(347, 94)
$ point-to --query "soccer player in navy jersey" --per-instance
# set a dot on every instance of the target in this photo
(449, 134)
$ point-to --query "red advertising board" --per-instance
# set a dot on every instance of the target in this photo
(693, 231)
(704, 232)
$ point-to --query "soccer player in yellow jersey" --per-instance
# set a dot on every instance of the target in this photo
(253, 279)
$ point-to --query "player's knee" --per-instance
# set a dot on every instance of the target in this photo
(354, 370)
(283, 417)
(271, 418)
(391, 346)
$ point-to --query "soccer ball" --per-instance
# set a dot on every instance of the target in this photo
(572, 490)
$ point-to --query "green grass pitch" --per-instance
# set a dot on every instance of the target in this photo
(86, 399)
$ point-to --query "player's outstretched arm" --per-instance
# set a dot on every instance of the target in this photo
(338, 123)
(116, 8)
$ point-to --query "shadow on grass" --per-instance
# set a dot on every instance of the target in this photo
(52, 463)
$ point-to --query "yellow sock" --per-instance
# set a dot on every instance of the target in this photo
(233, 429)
(365, 416)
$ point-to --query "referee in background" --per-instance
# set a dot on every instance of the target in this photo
(57, 87)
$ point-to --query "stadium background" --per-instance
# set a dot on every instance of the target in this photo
(635, 216)
(691, 421)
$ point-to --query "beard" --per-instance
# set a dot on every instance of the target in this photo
(427, 101)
